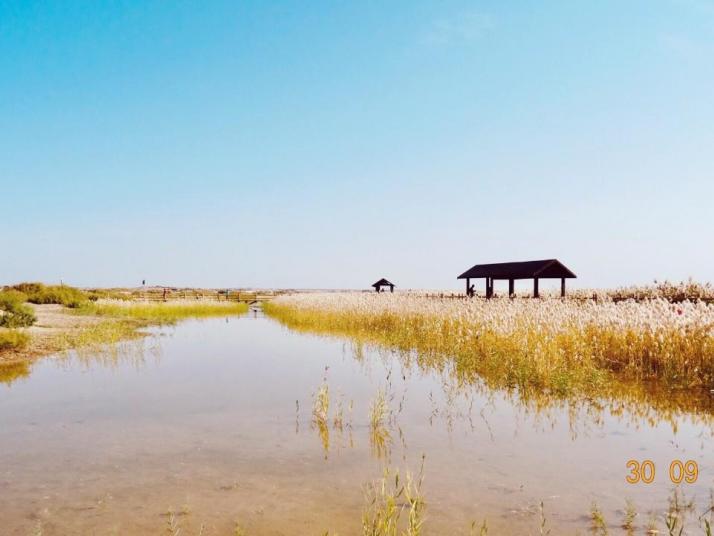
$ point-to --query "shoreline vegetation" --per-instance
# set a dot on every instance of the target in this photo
(38, 320)
(646, 344)
(558, 349)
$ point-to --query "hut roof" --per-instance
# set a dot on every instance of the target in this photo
(548, 268)
(383, 283)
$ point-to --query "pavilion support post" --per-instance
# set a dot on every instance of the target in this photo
(468, 287)
(511, 290)
(391, 288)
(562, 287)
(536, 294)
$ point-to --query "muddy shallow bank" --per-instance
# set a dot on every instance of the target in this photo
(210, 423)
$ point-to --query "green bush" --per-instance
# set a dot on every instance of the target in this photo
(13, 340)
(60, 294)
(13, 311)
(10, 295)
(27, 288)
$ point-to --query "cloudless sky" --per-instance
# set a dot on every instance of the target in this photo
(328, 144)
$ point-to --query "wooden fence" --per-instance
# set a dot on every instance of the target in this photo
(192, 294)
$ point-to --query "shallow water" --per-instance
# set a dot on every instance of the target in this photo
(209, 423)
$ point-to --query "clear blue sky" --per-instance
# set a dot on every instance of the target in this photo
(327, 144)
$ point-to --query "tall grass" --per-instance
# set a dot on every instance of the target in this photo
(165, 312)
(672, 292)
(551, 345)
(59, 294)
(99, 334)
(395, 506)
(11, 339)
(118, 320)
(13, 312)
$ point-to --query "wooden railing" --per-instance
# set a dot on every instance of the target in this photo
(191, 294)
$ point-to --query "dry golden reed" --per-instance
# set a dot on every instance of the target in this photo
(559, 346)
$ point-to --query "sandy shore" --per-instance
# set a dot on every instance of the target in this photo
(51, 321)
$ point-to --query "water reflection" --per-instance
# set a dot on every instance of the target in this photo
(633, 404)
(132, 353)
(11, 372)
(246, 416)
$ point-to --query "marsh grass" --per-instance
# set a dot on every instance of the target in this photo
(106, 332)
(321, 404)
(380, 437)
(651, 527)
(676, 517)
(482, 528)
(379, 410)
(60, 294)
(543, 529)
(163, 313)
(597, 519)
(12, 339)
(395, 506)
(14, 313)
(560, 347)
(628, 523)
(115, 322)
(338, 420)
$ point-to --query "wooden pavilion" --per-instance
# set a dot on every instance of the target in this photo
(535, 270)
(383, 283)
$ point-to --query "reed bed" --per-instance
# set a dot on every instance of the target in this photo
(163, 313)
(553, 345)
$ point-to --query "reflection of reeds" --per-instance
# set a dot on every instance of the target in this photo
(380, 440)
(559, 345)
(320, 413)
(378, 410)
(321, 404)
(389, 499)
(13, 371)
(380, 437)
(482, 528)
(538, 353)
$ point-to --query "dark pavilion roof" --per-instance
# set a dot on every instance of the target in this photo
(383, 283)
(548, 268)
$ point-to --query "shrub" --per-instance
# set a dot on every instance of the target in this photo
(28, 288)
(10, 295)
(60, 294)
(13, 340)
(13, 312)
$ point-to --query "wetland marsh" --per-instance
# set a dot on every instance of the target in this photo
(230, 424)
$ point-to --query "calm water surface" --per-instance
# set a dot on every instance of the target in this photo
(211, 420)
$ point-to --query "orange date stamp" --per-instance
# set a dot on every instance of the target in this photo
(645, 471)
